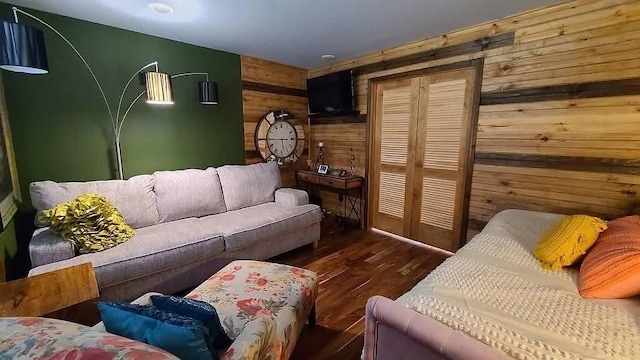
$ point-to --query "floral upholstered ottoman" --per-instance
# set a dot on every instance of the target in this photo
(262, 306)
(41, 338)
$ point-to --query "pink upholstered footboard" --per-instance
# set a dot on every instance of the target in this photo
(393, 331)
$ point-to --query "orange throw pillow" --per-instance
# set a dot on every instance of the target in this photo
(611, 269)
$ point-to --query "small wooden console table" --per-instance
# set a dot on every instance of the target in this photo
(350, 189)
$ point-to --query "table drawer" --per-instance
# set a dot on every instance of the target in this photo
(313, 179)
(332, 182)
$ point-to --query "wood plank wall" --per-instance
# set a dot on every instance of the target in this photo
(343, 138)
(266, 86)
(559, 123)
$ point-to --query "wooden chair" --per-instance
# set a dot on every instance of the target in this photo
(69, 294)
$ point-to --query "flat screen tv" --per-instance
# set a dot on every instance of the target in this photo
(331, 94)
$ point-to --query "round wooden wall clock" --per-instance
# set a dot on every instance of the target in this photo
(279, 137)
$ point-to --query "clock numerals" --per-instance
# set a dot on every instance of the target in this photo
(282, 140)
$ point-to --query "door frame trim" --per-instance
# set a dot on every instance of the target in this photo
(478, 65)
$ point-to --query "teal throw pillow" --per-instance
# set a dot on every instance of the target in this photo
(195, 309)
(181, 336)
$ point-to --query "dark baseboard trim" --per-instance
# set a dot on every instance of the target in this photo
(273, 89)
(573, 163)
(563, 92)
(470, 47)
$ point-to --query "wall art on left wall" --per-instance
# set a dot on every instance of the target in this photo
(9, 185)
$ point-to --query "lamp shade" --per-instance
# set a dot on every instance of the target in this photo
(208, 92)
(158, 87)
(22, 49)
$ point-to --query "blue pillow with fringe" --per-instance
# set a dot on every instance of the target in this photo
(181, 336)
(198, 310)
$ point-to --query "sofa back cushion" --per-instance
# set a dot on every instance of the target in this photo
(249, 185)
(188, 193)
(134, 198)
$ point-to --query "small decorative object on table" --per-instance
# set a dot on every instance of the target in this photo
(320, 154)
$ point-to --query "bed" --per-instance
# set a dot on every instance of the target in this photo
(491, 300)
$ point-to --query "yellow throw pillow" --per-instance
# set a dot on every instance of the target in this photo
(564, 243)
(90, 222)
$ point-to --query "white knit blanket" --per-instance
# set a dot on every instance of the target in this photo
(494, 291)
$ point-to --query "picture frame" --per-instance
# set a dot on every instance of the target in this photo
(323, 169)
(9, 186)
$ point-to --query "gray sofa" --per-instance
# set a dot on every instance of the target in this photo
(189, 224)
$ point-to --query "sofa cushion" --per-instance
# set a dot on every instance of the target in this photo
(245, 186)
(134, 197)
(188, 193)
(246, 227)
(153, 249)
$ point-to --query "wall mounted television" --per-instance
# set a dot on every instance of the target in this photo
(332, 94)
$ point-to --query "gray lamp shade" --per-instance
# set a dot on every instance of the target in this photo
(208, 92)
(22, 49)
(158, 87)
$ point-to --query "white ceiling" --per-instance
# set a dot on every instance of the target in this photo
(295, 32)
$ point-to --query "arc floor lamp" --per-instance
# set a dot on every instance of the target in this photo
(22, 49)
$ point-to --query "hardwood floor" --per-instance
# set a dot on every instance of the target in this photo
(352, 268)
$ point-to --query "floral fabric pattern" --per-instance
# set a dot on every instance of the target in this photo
(41, 338)
(262, 306)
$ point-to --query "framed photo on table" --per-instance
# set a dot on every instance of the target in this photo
(323, 169)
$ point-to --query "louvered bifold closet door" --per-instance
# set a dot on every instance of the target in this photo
(394, 137)
(443, 139)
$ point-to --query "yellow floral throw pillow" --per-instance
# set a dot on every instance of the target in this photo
(564, 243)
(90, 222)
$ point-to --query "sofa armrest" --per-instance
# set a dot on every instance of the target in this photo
(393, 331)
(46, 247)
(291, 197)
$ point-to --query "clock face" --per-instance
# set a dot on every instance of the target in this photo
(280, 137)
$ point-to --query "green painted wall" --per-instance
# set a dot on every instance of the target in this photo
(60, 125)
(8, 243)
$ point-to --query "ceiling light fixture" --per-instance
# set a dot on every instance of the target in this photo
(328, 57)
(160, 8)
